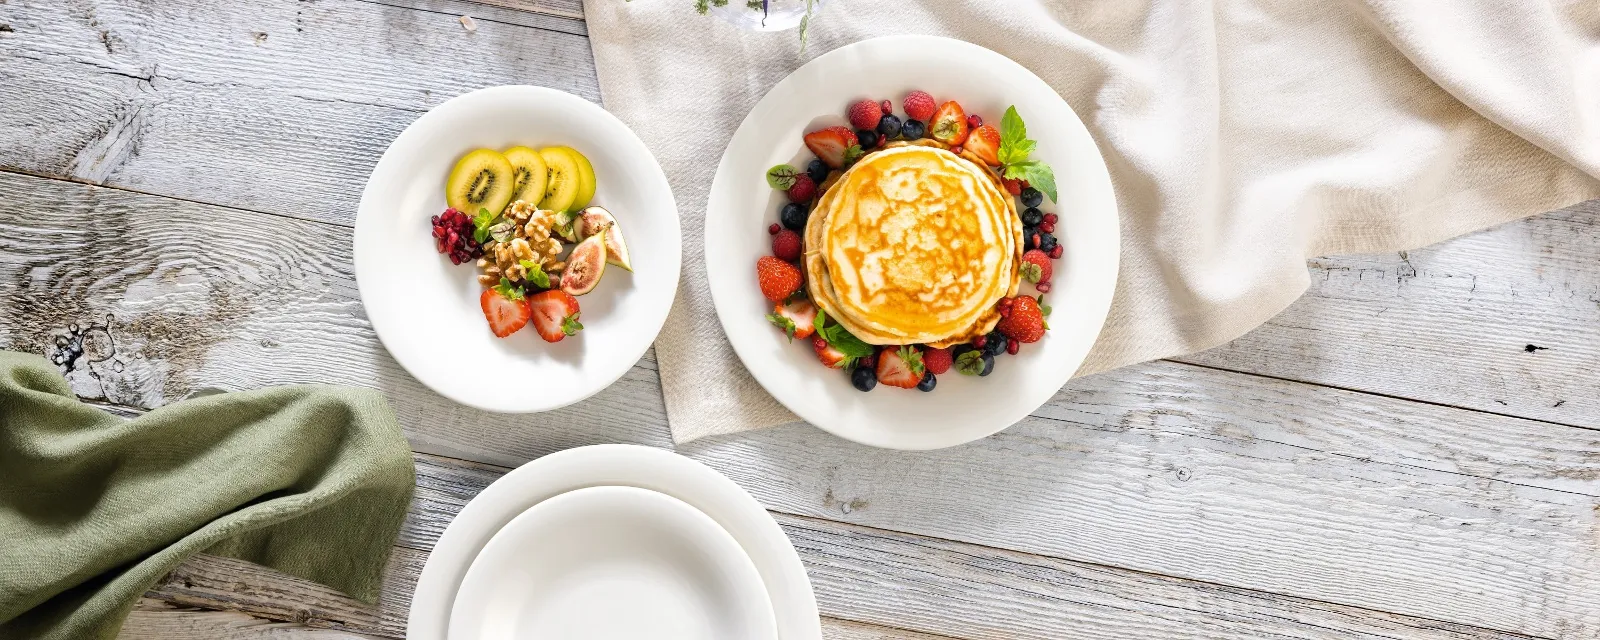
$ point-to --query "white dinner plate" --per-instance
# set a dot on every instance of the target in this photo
(426, 310)
(612, 563)
(794, 607)
(741, 206)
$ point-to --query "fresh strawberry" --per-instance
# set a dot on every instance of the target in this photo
(786, 245)
(1036, 266)
(798, 319)
(832, 145)
(831, 358)
(778, 279)
(505, 308)
(937, 361)
(919, 106)
(865, 114)
(985, 141)
(803, 190)
(900, 367)
(1026, 322)
(555, 314)
(949, 124)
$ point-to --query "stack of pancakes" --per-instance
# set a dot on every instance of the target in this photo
(913, 245)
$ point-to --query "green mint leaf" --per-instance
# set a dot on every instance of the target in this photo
(779, 321)
(570, 325)
(847, 343)
(970, 363)
(1012, 129)
(481, 224)
(1037, 174)
(782, 177)
(508, 290)
(535, 274)
(822, 317)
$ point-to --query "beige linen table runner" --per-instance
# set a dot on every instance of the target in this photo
(1243, 137)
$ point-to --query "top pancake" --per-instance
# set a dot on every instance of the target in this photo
(913, 244)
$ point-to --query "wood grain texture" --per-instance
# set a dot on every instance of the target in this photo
(282, 107)
(1167, 468)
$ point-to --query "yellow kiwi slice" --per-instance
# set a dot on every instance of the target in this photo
(531, 174)
(482, 179)
(564, 183)
(586, 173)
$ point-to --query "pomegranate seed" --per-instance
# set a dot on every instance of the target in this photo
(956, 149)
(438, 243)
(454, 259)
(435, 221)
(888, 107)
(1005, 312)
(1055, 253)
(1004, 303)
(1012, 347)
(438, 232)
(1047, 227)
(974, 121)
(1050, 218)
(979, 341)
(773, 229)
(1043, 287)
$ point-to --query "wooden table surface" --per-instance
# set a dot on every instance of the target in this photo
(1408, 452)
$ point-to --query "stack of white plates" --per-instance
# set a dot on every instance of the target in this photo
(614, 542)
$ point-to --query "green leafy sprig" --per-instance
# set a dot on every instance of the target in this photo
(1015, 147)
(840, 338)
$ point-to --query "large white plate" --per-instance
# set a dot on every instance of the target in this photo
(426, 310)
(794, 607)
(612, 563)
(741, 206)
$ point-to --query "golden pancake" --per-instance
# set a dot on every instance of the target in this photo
(913, 244)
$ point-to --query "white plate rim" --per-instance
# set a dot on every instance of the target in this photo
(652, 320)
(502, 538)
(794, 604)
(1092, 310)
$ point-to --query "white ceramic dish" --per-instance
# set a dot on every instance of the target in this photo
(741, 206)
(426, 310)
(793, 605)
(612, 563)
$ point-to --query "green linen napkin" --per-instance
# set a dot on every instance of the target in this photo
(94, 509)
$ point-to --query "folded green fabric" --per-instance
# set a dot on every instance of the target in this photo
(94, 509)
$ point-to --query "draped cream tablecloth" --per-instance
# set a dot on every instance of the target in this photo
(1243, 137)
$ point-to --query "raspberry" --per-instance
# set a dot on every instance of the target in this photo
(919, 106)
(1050, 218)
(1013, 187)
(937, 361)
(865, 114)
(803, 190)
(786, 245)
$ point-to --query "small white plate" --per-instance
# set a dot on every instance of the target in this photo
(426, 310)
(612, 563)
(741, 206)
(793, 605)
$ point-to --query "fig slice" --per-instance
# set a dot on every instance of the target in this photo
(585, 265)
(597, 219)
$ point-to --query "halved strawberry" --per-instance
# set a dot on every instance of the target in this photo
(798, 319)
(985, 141)
(949, 124)
(832, 145)
(555, 314)
(900, 367)
(831, 358)
(505, 308)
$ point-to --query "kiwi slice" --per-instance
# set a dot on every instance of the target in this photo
(482, 179)
(561, 190)
(586, 173)
(531, 174)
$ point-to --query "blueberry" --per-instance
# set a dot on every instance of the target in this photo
(995, 343)
(913, 129)
(928, 381)
(866, 138)
(1031, 217)
(1047, 242)
(889, 126)
(818, 170)
(1031, 197)
(863, 378)
(988, 365)
(794, 216)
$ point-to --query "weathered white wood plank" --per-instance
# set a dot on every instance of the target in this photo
(279, 107)
(555, 15)
(1507, 321)
(1173, 469)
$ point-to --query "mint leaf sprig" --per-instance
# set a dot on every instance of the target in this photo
(1015, 147)
(840, 338)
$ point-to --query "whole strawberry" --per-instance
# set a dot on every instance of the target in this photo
(1036, 266)
(937, 361)
(919, 105)
(803, 189)
(786, 245)
(865, 114)
(778, 279)
(1025, 323)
